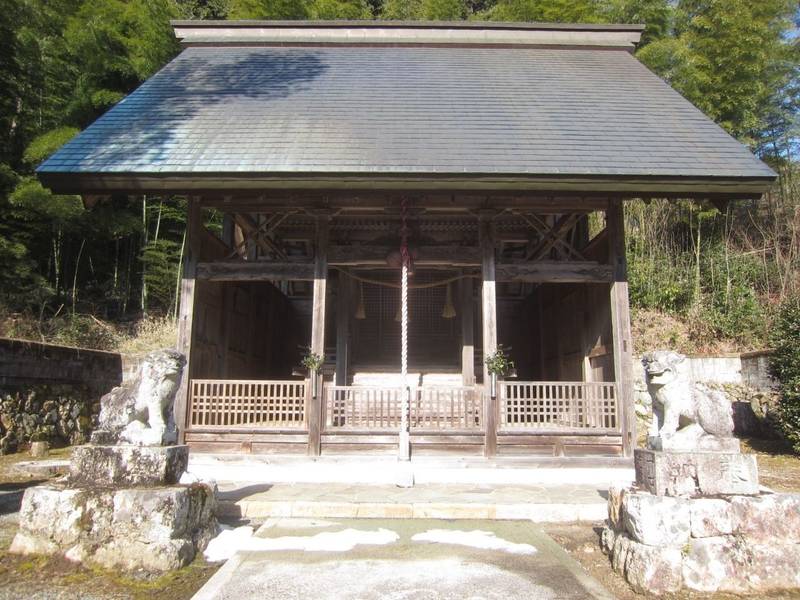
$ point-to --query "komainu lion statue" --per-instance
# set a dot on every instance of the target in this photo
(687, 416)
(141, 411)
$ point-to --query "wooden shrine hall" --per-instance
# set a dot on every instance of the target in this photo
(401, 199)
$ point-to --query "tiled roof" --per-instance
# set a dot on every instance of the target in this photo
(412, 110)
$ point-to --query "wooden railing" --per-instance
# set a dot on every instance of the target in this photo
(521, 406)
(445, 407)
(247, 404)
(362, 408)
(527, 405)
(378, 408)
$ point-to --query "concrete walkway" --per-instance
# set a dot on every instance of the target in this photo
(394, 560)
(541, 504)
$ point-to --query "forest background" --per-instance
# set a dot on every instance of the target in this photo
(701, 279)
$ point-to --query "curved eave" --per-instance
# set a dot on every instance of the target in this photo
(230, 183)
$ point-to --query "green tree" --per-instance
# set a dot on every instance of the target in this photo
(657, 15)
(547, 11)
(116, 45)
(340, 9)
(268, 9)
(203, 9)
(785, 364)
(733, 60)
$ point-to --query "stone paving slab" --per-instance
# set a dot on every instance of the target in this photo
(428, 470)
(402, 567)
(568, 503)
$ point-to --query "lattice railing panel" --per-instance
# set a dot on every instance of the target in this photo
(218, 403)
(525, 405)
(378, 408)
(356, 407)
(444, 407)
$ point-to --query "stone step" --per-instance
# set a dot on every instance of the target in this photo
(558, 504)
(385, 470)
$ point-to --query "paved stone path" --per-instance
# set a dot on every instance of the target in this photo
(412, 559)
(563, 503)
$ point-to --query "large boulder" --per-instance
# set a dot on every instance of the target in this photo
(656, 521)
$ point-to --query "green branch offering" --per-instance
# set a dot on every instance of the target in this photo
(312, 361)
(499, 363)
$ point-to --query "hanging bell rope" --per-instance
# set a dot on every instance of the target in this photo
(405, 412)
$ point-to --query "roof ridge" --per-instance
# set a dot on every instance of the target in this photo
(395, 24)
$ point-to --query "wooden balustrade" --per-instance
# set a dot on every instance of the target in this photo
(533, 405)
(362, 408)
(378, 408)
(445, 407)
(522, 406)
(247, 404)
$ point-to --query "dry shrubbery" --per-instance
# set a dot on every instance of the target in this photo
(87, 331)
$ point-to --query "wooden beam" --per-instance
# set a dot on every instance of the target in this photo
(489, 324)
(238, 270)
(343, 315)
(368, 255)
(186, 315)
(555, 272)
(467, 333)
(621, 325)
(555, 235)
(314, 409)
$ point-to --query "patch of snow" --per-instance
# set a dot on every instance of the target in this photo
(475, 539)
(231, 541)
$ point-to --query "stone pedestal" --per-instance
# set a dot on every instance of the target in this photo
(695, 474)
(120, 507)
(155, 529)
(697, 520)
(127, 465)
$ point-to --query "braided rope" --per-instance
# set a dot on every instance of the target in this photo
(406, 405)
(411, 286)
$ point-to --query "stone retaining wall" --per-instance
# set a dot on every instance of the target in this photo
(51, 393)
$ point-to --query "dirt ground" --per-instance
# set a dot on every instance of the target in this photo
(50, 579)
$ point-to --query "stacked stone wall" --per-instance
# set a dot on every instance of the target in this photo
(735, 544)
(51, 393)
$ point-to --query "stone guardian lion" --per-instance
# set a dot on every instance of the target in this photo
(141, 411)
(687, 416)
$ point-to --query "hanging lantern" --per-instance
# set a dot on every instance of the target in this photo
(449, 311)
(361, 313)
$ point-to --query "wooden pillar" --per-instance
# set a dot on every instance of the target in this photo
(343, 315)
(489, 324)
(186, 313)
(467, 333)
(621, 325)
(314, 410)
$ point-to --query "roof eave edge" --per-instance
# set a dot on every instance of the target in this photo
(752, 187)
